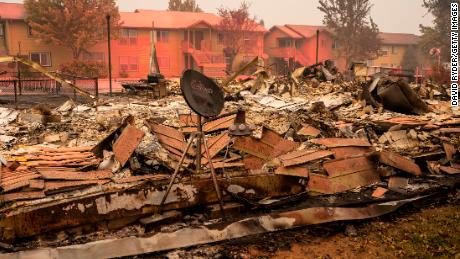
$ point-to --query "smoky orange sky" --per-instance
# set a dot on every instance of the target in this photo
(390, 15)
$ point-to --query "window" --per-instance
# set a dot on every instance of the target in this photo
(162, 36)
(250, 39)
(335, 44)
(383, 52)
(93, 56)
(283, 43)
(2, 30)
(100, 33)
(220, 38)
(42, 58)
(298, 44)
(128, 37)
(129, 64)
(163, 62)
(394, 50)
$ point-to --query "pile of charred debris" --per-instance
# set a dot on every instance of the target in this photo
(88, 181)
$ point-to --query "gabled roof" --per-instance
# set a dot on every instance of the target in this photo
(307, 31)
(170, 19)
(290, 33)
(398, 38)
(166, 19)
(12, 11)
(139, 18)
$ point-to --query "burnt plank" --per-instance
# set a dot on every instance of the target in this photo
(176, 144)
(279, 144)
(55, 185)
(343, 152)
(253, 163)
(22, 196)
(37, 184)
(91, 175)
(126, 144)
(307, 158)
(166, 131)
(341, 142)
(308, 130)
(399, 162)
(254, 147)
(327, 185)
(293, 171)
(219, 124)
(346, 166)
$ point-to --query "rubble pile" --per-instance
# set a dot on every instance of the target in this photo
(112, 162)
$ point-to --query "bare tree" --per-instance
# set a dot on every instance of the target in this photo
(356, 34)
(234, 26)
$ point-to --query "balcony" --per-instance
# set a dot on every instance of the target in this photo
(189, 47)
(286, 52)
(289, 52)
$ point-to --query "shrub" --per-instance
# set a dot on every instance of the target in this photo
(89, 69)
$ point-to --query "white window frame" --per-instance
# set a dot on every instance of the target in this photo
(41, 59)
(2, 30)
(163, 36)
(130, 63)
(130, 39)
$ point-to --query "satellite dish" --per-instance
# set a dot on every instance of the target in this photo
(201, 93)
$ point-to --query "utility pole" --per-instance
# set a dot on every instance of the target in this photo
(109, 53)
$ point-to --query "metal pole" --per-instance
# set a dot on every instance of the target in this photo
(96, 81)
(109, 53)
(74, 91)
(198, 145)
(214, 177)
(15, 94)
(317, 45)
(173, 177)
(19, 78)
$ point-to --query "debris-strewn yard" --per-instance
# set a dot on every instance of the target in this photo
(427, 232)
(292, 151)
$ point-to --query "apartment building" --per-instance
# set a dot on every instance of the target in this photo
(295, 45)
(182, 39)
(394, 46)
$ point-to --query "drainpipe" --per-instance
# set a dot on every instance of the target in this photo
(317, 45)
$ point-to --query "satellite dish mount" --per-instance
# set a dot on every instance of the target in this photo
(206, 99)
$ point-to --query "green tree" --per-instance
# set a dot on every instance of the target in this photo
(353, 28)
(438, 35)
(410, 60)
(77, 25)
(184, 6)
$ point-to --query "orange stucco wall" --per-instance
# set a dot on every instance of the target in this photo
(18, 41)
(171, 55)
(307, 46)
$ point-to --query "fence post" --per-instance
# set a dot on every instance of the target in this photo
(74, 91)
(97, 87)
(19, 78)
(15, 93)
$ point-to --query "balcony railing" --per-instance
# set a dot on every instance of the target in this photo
(189, 47)
(286, 52)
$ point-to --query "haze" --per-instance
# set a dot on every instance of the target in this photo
(390, 15)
